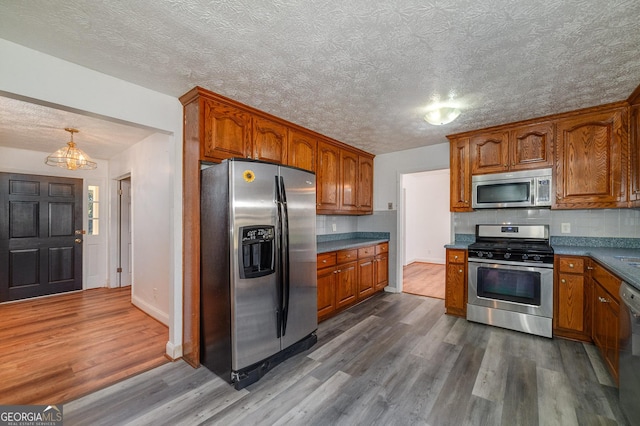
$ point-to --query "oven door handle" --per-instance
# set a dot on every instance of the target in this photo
(508, 262)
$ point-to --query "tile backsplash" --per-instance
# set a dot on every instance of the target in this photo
(341, 224)
(620, 223)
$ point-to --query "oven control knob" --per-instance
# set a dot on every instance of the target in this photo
(489, 255)
(536, 258)
(525, 256)
(507, 255)
(480, 254)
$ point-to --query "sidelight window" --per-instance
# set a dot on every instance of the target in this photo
(93, 209)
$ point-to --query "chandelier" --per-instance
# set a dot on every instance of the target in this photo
(71, 157)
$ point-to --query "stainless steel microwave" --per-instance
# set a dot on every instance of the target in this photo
(529, 188)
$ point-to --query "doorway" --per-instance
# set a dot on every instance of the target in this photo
(426, 229)
(125, 252)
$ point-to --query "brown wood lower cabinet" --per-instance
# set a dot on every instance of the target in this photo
(348, 276)
(587, 305)
(572, 293)
(455, 299)
(606, 315)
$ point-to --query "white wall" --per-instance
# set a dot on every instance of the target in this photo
(388, 168)
(427, 225)
(149, 164)
(31, 75)
(388, 171)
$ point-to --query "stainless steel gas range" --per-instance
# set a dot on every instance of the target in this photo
(511, 278)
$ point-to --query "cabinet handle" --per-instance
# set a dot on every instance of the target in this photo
(506, 165)
(589, 267)
(336, 271)
(324, 261)
(571, 265)
(460, 270)
(563, 281)
(455, 257)
(603, 300)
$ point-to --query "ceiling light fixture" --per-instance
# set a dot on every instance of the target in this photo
(441, 114)
(70, 157)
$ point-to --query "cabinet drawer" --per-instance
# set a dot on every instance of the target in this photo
(607, 280)
(572, 265)
(382, 248)
(455, 256)
(326, 259)
(366, 252)
(345, 256)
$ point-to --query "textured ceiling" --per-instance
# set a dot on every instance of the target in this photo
(360, 71)
(26, 125)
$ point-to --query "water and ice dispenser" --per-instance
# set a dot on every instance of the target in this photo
(257, 251)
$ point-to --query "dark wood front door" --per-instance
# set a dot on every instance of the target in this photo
(40, 251)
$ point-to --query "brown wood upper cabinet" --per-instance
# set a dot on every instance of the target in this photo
(591, 164)
(269, 142)
(301, 150)
(460, 188)
(345, 181)
(519, 148)
(227, 132)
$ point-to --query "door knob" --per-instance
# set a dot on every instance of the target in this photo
(78, 241)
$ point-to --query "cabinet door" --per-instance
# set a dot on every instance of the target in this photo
(634, 153)
(606, 325)
(227, 132)
(455, 290)
(326, 291)
(570, 315)
(269, 141)
(572, 298)
(591, 166)
(365, 184)
(460, 188)
(349, 179)
(489, 153)
(531, 147)
(328, 177)
(346, 285)
(301, 151)
(365, 277)
(382, 271)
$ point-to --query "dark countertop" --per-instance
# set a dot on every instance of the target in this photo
(350, 243)
(607, 257)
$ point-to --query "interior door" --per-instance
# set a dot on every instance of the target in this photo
(124, 226)
(40, 235)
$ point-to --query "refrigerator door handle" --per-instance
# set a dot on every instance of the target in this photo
(285, 255)
(279, 258)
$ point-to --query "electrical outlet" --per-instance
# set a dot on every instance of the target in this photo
(390, 205)
(565, 228)
(334, 227)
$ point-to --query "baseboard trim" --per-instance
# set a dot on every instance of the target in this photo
(173, 352)
(151, 310)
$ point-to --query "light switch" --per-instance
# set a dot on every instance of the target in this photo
(565, 228)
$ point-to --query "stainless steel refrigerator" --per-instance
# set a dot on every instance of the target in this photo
(258, 267)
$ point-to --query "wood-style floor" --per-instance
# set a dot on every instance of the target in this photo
(394, 359)
(58, 348)
(424, 279)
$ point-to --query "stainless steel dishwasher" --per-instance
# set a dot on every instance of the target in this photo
(630, 353)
